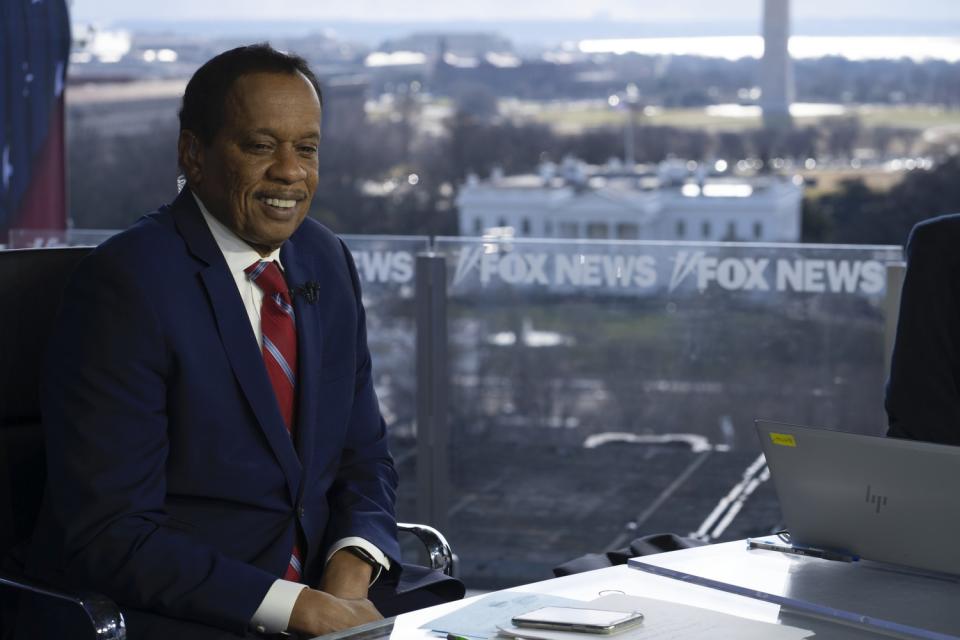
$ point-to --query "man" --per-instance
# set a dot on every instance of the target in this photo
(214, 441)
(923, 392)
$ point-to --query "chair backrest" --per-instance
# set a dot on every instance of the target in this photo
(31, 288)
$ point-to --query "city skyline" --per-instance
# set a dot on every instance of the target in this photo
(496, 10)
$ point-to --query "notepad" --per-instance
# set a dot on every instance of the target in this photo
(481, 618)
(667, 621)
(490, 617)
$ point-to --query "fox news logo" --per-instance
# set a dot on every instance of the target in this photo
(811, 275)
(384, 267)
(643, 271)
(532, 268)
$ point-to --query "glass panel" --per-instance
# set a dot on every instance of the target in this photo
(387, 269)
(607, 390)
(37, 238)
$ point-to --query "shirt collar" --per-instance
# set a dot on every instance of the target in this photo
(238, 254)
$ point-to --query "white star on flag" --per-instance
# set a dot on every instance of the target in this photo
(7, 168)
(58, 80)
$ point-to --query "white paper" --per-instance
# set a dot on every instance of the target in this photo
(482, 618)
(669, 621)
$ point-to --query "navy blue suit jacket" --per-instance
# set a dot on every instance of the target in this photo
(173, 484)
(923, 392)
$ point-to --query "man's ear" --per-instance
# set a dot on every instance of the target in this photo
(190, 156)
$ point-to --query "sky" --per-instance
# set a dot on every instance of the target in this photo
(107, 11)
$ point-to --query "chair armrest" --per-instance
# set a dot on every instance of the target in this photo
(104, 615)
(438, 549)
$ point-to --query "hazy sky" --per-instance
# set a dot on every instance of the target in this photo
(428, 10)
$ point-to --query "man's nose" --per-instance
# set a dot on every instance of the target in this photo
(287, 165)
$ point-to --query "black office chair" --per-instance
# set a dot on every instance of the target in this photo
(31, 288)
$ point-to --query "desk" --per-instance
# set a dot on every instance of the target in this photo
(587, 586)
(890, 598)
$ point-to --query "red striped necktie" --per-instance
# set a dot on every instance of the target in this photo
(279, 328)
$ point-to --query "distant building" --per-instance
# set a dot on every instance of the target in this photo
(671, 203)
(776, 67)
(458, 44)
(344, 98)
(136, 108)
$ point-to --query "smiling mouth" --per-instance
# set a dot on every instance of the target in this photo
(279, 203)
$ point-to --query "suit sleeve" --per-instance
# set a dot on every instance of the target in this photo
(363, 495)
(923, 397)
(104, 402)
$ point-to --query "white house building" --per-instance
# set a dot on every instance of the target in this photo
(672, 203)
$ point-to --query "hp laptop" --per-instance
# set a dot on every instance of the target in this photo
(883, 499)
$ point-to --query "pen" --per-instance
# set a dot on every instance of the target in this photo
(812, 552)
(453, 636)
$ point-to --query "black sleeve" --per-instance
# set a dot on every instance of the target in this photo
(923, 397)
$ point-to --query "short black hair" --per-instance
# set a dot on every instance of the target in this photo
(205, 97)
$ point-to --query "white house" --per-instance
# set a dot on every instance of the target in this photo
(676, 202)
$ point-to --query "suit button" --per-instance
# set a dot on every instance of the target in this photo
(302, 511)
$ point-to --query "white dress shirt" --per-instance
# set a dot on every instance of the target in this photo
(273, 615)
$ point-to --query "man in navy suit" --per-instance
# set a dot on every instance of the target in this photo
(923, 392)
(179, 479)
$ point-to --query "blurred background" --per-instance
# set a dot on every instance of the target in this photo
(442, 92)
(659, 221)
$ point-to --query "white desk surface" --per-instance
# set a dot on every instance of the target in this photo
(888, 595)
(731, 557)
(590, 585)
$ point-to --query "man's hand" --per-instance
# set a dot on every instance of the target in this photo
(346, 576)
(341, 602)
(316, 613)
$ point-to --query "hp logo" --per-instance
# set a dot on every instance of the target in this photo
(875, 499)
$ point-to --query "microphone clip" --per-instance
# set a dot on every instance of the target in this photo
(310, 291)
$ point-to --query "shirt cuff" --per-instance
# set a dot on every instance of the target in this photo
(273, 614)
(369, 547)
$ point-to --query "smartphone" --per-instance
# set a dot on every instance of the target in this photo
(574, 619)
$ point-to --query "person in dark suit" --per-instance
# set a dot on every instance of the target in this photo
(923, 391)
(215, 448)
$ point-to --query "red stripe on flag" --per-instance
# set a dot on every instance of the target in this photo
(44, 205)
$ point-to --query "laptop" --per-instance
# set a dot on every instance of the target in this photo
(883, 499)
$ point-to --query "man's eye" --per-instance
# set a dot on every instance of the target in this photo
(259, 147)
(307, 150)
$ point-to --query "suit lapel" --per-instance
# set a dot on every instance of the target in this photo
(238, 340)
(309, 346)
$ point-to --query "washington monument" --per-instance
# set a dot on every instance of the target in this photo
(776, 69)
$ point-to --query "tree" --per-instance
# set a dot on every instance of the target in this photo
(856, 214)
(841, 135)
(115, 180)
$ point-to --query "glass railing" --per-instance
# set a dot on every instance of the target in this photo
(599, 391)
(387, 269)
(39, 238)
(607, 390)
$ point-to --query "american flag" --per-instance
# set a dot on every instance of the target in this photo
(34, 50)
